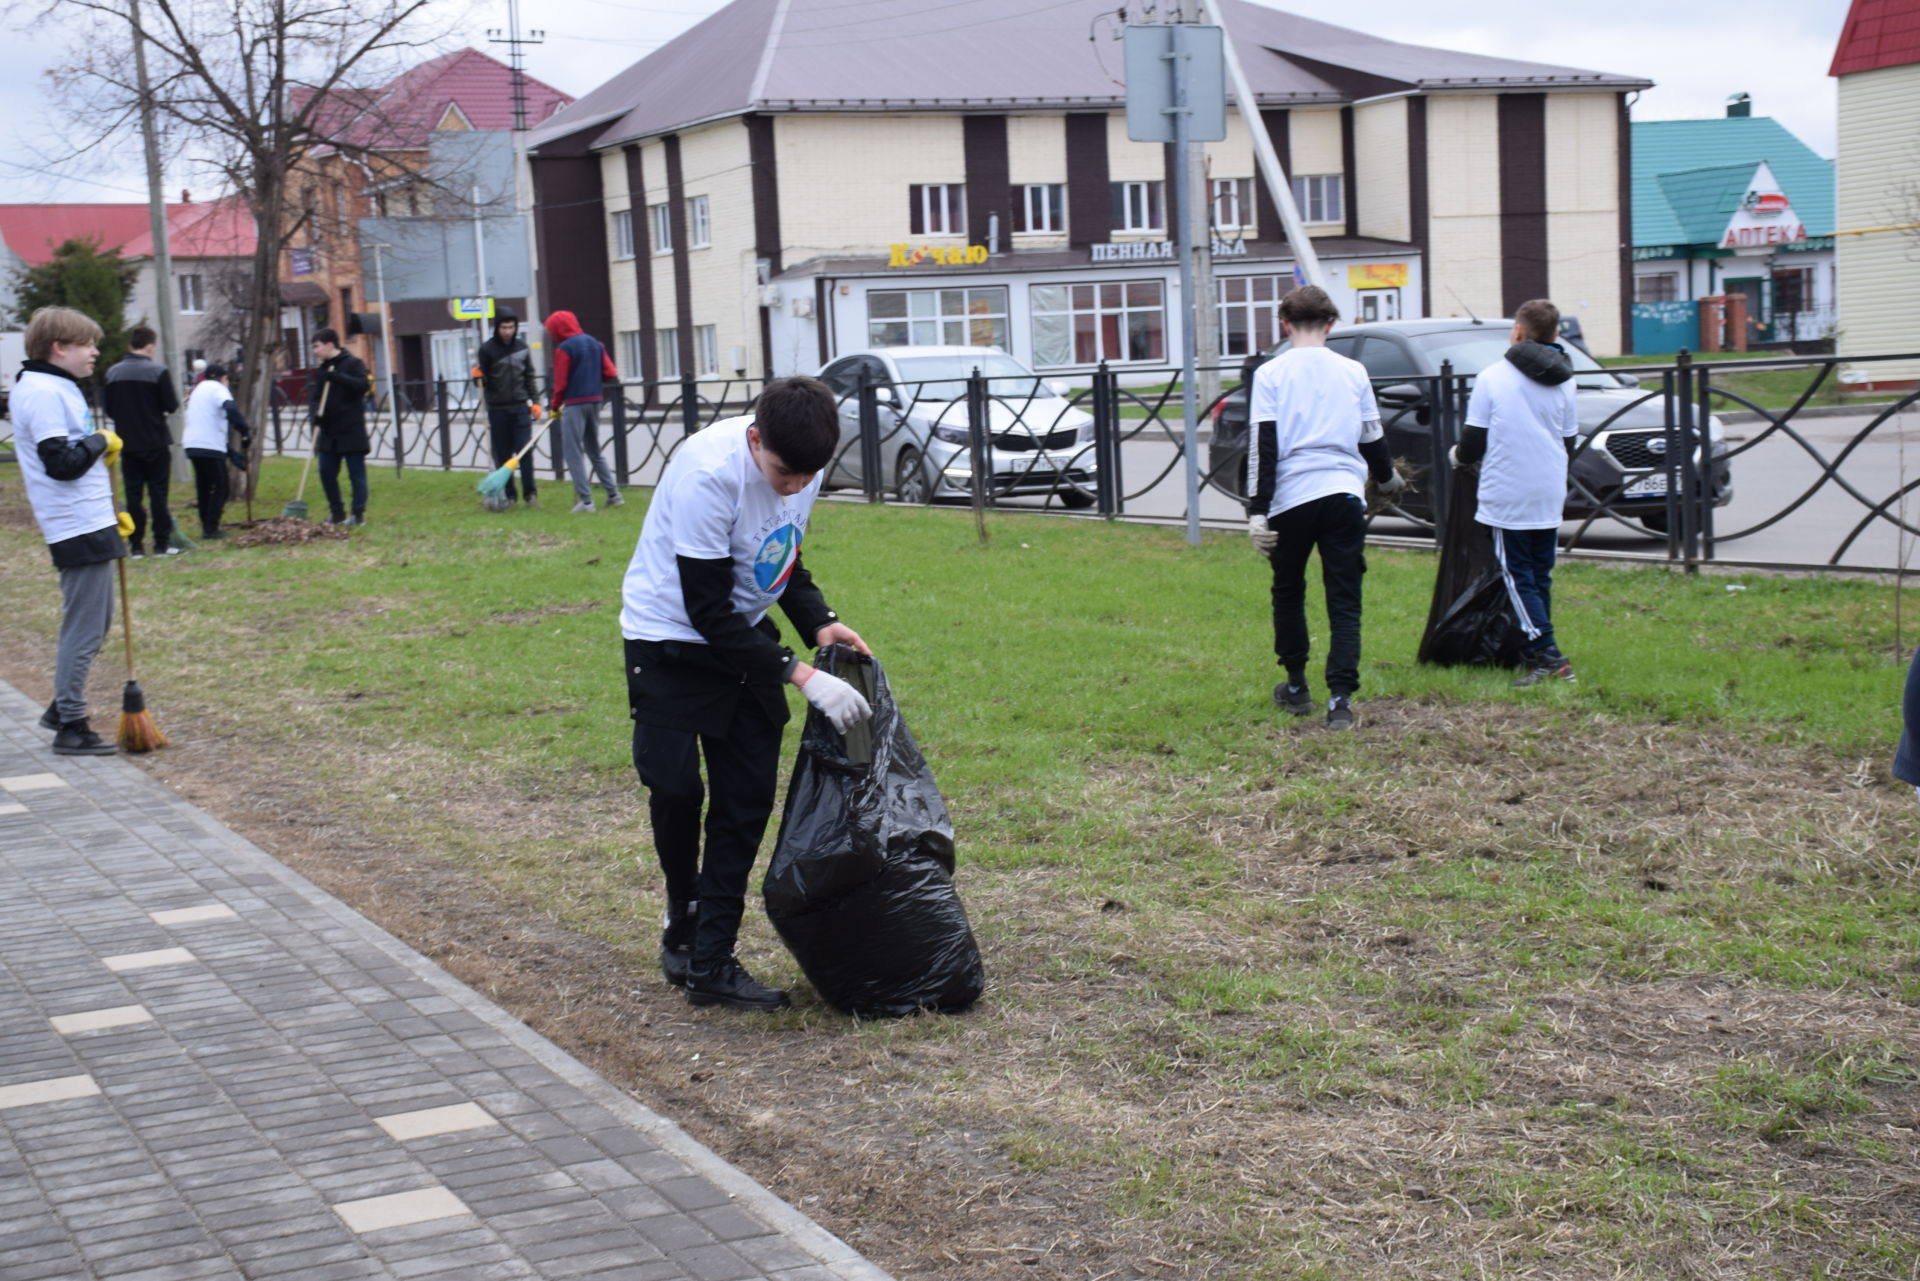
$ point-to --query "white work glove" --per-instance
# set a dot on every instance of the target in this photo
(1264, 539)
(1391, 486)
(842, 703)
(1453, 456)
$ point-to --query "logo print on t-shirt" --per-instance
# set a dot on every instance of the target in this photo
(774, 565)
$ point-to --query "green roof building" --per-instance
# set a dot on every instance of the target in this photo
(1731, 205)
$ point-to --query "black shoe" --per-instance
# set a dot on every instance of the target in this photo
(1297, 699)
(50, 719)
(1339, 712)
(1547, 669)
(136, 552)
(77, 739)
(676, 941)
(214, 534)
(728, 983)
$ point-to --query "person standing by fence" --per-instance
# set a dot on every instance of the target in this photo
(337, 398)
(581, 368)
(139, 396)
(505, 372)
(212, 420)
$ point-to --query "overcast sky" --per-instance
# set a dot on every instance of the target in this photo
(1696, 51)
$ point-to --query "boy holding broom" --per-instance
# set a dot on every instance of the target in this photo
(63, 465)
(719, 548)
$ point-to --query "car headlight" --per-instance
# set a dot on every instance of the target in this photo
(1716, 430)
(951, 434)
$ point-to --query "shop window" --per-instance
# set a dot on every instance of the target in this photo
(938, 209)
(1086, 324)
(699, 223)
(193, 296)
(1660, 287)
(623, 234)
(660, 219)
(1249, 312)
(1042, 209)
(1233, 204)
(1792, 290)
(1139, 206)
(937, 317)
(706, 350)
(667, 343)
(1319, 197)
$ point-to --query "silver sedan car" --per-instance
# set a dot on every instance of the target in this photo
(1038, 443)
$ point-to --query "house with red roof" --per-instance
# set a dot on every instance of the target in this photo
(1877, 242)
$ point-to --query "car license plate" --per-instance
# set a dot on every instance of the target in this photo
(1654, 485)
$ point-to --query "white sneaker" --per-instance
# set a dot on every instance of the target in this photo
(615, 500)
(584, 505)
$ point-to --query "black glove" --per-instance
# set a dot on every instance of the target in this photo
(237, 458)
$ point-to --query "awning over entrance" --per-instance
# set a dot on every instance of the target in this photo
(302, 293)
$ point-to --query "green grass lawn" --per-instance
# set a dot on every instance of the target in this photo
(1764, 388)
(1611, 979)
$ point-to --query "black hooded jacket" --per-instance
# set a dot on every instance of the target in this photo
(1548, 364)
(506, 369)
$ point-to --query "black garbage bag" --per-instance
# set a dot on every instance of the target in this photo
(860, 887)
(1471, 619)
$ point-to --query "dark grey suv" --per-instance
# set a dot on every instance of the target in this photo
(1623, 467)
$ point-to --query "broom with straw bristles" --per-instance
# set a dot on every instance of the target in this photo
(494, 483)
(137, 733)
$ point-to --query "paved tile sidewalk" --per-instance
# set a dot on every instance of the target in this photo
(209, 1069)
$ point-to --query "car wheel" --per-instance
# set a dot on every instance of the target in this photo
(1077, 499)
(910, 483)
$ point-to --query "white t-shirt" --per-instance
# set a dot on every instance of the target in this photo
(1523, 478)
(49, 407)
(1323, 409)
(713, 502)
(207, 416)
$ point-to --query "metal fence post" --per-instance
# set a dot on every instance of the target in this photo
(689, 406)
(870, 477)
(273, 411)
(1106, 487)
(979, 480)
(441, 411)
(399, 439)
(1704, 465)
(1681, 470)
(1445, 433)
(618, 422)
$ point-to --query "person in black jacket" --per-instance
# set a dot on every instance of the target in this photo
(505, 371)
(337, 397)
(139, 397)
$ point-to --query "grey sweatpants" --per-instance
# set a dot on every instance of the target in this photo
(580, 438)
(86, 611)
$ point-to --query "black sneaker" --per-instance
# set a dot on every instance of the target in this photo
(136, 552)
(1297, 699)
(676, 941)
(214, 534)
(1550, 670)
(728, 983)
(50, 719)
(1339, 712)
(76, 738)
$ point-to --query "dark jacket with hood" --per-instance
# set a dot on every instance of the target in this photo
(506, 368)
(139, 396)
(581, 365)
(1548, 364)
(342, 426)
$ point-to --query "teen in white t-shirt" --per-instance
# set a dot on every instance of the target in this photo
(720, 547)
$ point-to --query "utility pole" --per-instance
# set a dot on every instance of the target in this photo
(386, 354)
(522, 167)
(164, 302)
(1204, 302)
(479, 267)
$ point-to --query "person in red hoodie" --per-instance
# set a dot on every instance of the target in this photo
(581, 368)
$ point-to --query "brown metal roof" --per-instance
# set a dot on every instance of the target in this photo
(1008, 55)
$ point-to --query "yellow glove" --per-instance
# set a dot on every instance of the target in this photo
(125, 522)
(114, 444)
(537, 412)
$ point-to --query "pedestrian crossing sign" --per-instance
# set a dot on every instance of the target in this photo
(472, 308)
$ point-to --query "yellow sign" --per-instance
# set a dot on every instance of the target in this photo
(1377, 275)
(937, 255)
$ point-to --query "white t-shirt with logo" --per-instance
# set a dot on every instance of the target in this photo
(1523, 478)
(1323, 410)
(49, 407)
(207, 416)
(713, 502)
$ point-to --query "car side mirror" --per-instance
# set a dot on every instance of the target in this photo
(1630, 380)
(883, 395)
(1058, 388)
(1401, 395)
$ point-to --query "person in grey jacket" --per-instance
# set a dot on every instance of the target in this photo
(505, 371)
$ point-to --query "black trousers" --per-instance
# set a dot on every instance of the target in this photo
(147, 477)
(509, 428)
(742, 770)
(330, 481)
(1337, 526)
(209, 487)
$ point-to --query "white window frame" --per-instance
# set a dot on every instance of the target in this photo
(1142, 205)
(1233, 205)
(699, 223)
(1099, 310)
(1673, 286)
(622, 234)
(942, 207)
(666, 343)
(660, 228)
(1320, 198)
(706, 351)
(929, 325)
(190, 289)
(628, 342)
(1045, 199)
(1261, 314)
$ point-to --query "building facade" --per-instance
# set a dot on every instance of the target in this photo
(1877, 64)
(773, 189)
